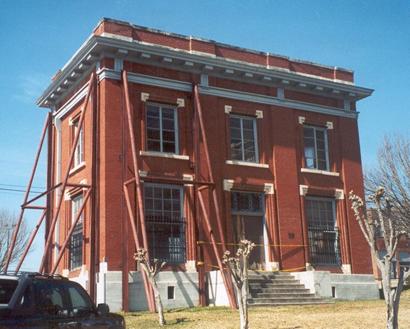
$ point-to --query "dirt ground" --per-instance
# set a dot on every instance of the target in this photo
(354, 315)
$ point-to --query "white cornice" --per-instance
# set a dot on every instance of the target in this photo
(97, 46)
(226, 93)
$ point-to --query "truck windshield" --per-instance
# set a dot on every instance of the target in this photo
(7, 288)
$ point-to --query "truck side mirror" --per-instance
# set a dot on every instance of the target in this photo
(103, 309)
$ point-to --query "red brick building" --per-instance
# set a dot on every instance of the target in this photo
(228, 143)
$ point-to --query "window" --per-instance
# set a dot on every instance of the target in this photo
(76, 243)
(79, 300)
(243, 139)
(165, 224)
(162, 129)
(322, 231)
(316, 150)
(79, 149)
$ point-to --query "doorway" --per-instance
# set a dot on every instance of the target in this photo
(249, 223)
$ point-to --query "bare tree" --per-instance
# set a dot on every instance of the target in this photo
(238, 268)
(7, 226)
(152, 269)
(393, 173)
(385, 222)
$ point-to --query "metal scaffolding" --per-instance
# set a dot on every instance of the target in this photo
(137, 220)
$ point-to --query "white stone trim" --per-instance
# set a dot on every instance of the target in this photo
(272, 266)
(143, 173)
(280, 93)
(347, 269)
(181, 102)
(204, 80)
(144, 97)
(65, 272)
(339, 194)
(301, 120)
(228, 184)
(165, 155)
(228, 109)
(346, 105)
(77, 168)
(329, 125)
(72, 102)
(303, 189)
(259, 114)
(190, 266)
(268, 188)
(248, 164)
(188, 177)
(228, 93)
(317, 171)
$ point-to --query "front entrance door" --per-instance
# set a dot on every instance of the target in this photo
(248, 222)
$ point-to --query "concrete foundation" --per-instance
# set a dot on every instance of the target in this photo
(177, 289)
(339, 286)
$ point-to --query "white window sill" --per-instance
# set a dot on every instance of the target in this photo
(77, 168)
(165, 155)
(248, 164)
(317, 171)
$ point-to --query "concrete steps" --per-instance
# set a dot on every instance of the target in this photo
(279, 288)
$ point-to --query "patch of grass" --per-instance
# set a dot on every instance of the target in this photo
(340, 315)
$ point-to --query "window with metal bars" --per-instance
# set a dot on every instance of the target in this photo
(76, 242)
(315, 148)
(322, 231)
(162, 128)
(165, 223)
(243, 138)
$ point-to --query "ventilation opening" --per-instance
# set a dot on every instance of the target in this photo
(171, 292)
(333, 292)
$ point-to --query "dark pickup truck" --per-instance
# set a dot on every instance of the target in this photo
(34, 301)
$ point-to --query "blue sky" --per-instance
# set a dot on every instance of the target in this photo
(38, 37)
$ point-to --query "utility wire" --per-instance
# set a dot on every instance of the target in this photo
(16, 190)
(15, 185)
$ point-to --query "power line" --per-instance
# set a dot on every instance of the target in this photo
(16, 190)
(15, 185)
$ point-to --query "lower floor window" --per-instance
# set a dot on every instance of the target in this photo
(322, 232)
(76, 247)
(76, 242)
(165, 223)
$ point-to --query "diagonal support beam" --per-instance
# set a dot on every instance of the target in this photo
(91, 87)
(226, 277)
(47, 123)
(70, 232)
(147, 287)
(30, 241)
(140, 205)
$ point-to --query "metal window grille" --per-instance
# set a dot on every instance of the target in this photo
(316, 148)
(76, 243)
(165, 224)
(162, 128)
(245, 202)
(243, 139)
(322, 234)
(76, 247)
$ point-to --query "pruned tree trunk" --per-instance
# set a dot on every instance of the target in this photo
(238, 267)
(152, 269)
(158, 301)
(391, 233)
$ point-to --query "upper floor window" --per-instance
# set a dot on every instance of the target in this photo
(243, 138)
(162, 129)
(315, 147)
(76, 243)
(79, 148)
